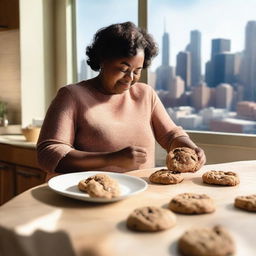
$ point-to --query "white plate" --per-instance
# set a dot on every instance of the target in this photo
(66, 184)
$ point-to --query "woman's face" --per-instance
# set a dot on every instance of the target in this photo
(118, 75)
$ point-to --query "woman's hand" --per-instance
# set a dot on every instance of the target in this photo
(184, 141)
(130, 157)
(201, 157)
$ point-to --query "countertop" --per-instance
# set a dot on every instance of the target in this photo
(12, 135)
(16, 140)
(89, 224)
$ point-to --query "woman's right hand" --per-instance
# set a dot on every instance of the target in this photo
(130, 157)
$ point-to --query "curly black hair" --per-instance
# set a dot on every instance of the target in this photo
(118, 41)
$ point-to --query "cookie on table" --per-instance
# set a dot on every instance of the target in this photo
(191, 203)
(100, 185)
(221, 178)
(182, 159)
(206, 241)
(150, 219)
(247, 203)
(165, 176)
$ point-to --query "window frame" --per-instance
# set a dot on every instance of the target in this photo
(214, 140)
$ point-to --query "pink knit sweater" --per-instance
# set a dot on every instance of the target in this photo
(80, 117)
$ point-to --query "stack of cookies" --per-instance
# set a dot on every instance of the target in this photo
(101, 186)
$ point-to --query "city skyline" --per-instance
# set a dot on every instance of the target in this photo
(226, 19)
(223, 66)
(225, 99)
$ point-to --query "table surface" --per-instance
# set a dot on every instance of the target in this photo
(43, 209)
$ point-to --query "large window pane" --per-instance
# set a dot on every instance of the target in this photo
(93, 15)
(205, 73)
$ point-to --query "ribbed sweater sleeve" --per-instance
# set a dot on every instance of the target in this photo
(165, 130)
(58, 131)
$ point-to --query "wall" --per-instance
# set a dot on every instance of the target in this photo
(32, 60)
(46, 55)
(10, 58)
(10, 73)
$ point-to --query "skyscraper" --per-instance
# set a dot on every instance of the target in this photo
(219, 45)
(250, 61)
(166, 50)
(164, 73)
(201, 96)
(224, 68)
(183, 67)
(224, 96)
(83, 75)
(194, 48)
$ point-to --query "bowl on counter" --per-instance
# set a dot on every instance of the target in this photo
(31, 133)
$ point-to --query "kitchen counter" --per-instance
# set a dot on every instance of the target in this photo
(16, 140)
(93, 225)
(19, 169)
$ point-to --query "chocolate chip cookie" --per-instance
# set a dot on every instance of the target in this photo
(150, 219)
(100, 185)
(166, 177)
(206, 241)
(221, 178)
(247, 203)
(191, 203)
(182, 159)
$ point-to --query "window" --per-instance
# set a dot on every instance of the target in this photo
(205, 73)
(93, 15)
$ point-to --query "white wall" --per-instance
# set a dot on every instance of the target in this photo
(46, 53)
(32, 60)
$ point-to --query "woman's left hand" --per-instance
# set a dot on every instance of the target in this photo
(201, 157)
(184, 141)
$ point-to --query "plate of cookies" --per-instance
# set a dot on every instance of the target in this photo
(96, 186)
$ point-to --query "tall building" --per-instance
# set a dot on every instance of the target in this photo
(166, 50)
(86, 72)
(183, 68)
(201, 96)
(224, 68)
(83, 75)
(177, 88)
(164, 73)
(194, 48)
(208, 73)
(250, 61)
(224, 96)
(218, 46)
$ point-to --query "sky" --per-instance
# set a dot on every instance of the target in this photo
(213, 18)
(95, 14)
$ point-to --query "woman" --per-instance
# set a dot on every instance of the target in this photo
(110, 122)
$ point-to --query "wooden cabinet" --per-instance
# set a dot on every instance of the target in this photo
(9, 14)
(26, 178)
(19, 171)
(7, 182)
